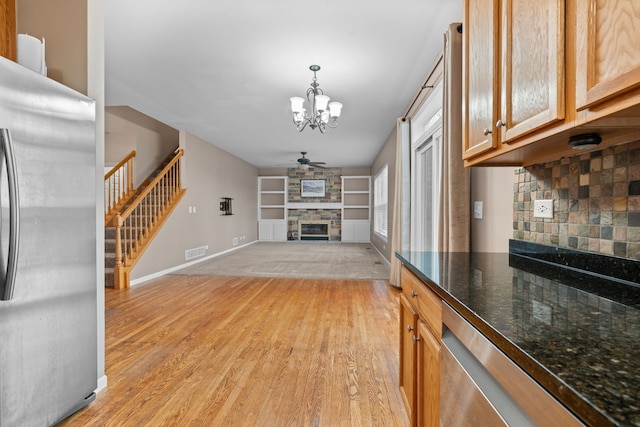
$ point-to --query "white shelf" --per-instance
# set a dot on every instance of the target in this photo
(272, 210)
(356, 208)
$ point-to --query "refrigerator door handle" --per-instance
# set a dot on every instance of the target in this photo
(14, 218)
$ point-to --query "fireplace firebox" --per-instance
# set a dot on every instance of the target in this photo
(313, 230)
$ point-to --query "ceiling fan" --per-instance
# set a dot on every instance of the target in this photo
(304, 162)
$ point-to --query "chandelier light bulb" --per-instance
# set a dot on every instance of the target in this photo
(321, 102)
(335, 108)
(321, 113)
(297, 104)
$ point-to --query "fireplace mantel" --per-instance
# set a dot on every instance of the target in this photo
(311, 205)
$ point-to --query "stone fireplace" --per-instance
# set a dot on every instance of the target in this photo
(330, 217)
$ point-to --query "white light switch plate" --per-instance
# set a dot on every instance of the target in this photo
(543, 208)
(477, 210)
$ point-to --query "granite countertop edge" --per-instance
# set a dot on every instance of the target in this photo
(573, 400)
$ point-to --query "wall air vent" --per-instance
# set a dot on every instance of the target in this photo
(194, 253)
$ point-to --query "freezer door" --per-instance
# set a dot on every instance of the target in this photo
(48, 329)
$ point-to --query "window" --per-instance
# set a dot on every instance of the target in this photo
(426, 141)
(381, 202)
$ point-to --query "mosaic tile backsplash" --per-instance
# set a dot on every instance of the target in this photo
(596, 202)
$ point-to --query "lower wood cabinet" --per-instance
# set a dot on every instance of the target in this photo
(452, 375)
(408, 356)
(427, 408)
(420, 335)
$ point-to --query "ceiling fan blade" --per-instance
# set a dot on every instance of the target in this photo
(317, 164)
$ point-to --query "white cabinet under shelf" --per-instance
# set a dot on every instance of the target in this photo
(272, 208)
(356, 209)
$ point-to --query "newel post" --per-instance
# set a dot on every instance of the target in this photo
(118, 270)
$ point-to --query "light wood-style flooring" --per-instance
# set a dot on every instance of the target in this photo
(239, 351)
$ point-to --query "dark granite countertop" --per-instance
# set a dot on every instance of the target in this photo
(577, 334)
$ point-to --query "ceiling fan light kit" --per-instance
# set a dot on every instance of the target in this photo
(304, 163)
(322, 113)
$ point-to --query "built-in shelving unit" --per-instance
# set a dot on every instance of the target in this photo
(356, 209)
(272, 209)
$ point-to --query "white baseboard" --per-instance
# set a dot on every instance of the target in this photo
(187, 264)
(102, 384)
(382, 255)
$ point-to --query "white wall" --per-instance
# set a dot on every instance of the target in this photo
(494, 187)
(95, 90)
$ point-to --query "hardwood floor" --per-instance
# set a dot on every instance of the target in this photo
(222, 351)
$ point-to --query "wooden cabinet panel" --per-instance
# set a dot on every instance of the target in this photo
(608, 36)
(8, 29)
(408, 357)
(428, 304)
(480, 76)
(428, 406)
(533, 72)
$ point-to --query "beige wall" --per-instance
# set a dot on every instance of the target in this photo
(128, 129)
(386, 156)
(209, 174)
(494, 187)
(63, 24)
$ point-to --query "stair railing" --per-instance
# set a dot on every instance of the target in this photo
(118, 186)
(137, 225)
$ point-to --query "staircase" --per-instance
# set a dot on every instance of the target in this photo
(134, 216)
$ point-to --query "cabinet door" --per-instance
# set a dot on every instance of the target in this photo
(408, 357)
(348, 232)
(428, 403)
(480, 75)
(280, 231)
(8, 29)
(607, 37)
(532, 77)
(265, 230)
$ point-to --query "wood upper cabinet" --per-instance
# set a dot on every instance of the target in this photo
(533, 72)
(607, 55)
(514, 70)
(480, 79)
(8, 29)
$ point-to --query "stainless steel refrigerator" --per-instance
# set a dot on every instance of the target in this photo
(48, 332)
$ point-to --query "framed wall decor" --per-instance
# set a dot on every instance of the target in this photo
(312, 188)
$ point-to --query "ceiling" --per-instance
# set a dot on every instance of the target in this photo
(224, 70)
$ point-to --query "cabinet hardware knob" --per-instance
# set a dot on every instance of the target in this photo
(500, 123)
(486, 131)
(409, 328)
(413, 294)
(415, 338)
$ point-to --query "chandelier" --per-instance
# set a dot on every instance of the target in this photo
(322, 113)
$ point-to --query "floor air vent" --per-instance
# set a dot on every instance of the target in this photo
(194, 253)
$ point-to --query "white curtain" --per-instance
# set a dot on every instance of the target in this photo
(401, 200)
(455, 189)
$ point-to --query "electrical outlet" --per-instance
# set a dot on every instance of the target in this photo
(235, 241)
(543, 208)
(477, 210)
